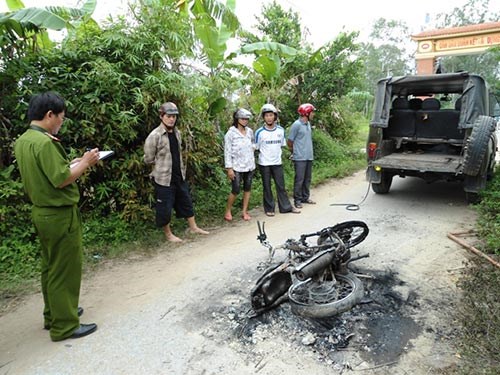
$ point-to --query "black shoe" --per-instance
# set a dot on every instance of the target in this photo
(83, 330)
(79, 311)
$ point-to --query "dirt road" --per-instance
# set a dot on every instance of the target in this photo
(184, 310)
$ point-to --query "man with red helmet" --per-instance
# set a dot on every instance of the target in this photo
(300, 144)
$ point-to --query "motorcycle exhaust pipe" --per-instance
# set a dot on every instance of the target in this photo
(314, 265)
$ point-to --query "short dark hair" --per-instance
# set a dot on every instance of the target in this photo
(40, 104)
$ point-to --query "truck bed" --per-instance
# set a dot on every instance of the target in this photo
(428, 162)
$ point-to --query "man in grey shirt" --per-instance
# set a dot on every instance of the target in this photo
(300, 144)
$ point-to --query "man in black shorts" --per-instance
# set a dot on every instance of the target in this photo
(163, 149)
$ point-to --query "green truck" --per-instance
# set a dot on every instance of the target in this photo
(437, 127)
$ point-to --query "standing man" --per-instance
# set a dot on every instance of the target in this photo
(163, 149)
(269, 139)
(50, 184)
(300, 144)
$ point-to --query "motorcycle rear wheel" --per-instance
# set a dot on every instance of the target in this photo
(349, 292)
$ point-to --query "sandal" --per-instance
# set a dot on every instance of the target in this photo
(310, 201)
(295, 211)
(270, 214)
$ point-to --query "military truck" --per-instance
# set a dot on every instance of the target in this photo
(437, 127)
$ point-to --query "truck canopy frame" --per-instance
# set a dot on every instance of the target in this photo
(471, 88)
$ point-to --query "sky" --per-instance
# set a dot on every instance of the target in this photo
(323, 18)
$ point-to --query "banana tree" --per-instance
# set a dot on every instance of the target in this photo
(214, 23)
(270, 57)
(30, 25)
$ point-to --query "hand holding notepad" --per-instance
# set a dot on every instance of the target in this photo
(102, 155)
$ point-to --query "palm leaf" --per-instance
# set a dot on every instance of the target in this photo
(40, 18)
(14, 5)
(262, 48)
(218, 11)
(267, 66)
(70, 14)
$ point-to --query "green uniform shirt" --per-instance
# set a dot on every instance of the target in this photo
(43, 164)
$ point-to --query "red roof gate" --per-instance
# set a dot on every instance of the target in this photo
(463, 40)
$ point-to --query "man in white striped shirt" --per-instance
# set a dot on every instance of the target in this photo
(269, 140)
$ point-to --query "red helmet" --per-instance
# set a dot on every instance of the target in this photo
(305, 109)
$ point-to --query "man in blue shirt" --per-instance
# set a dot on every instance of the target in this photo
(300, 144)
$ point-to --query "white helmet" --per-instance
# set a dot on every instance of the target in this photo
(242, 113)
(268, 108)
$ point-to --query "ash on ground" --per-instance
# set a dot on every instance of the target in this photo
(379, 329)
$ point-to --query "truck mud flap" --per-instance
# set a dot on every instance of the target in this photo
(373, 176)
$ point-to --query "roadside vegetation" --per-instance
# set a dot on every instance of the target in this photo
(479, 310)
(114, 78)
(116, 75)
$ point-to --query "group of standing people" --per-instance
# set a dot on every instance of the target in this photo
(239, 149)
(49, 179)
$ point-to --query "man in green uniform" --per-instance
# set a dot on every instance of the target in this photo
(50, 184)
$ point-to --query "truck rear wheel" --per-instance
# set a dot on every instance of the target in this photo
(385, 184)
(476, 145)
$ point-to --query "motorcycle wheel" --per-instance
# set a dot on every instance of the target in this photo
(307, 298)
(352, 233)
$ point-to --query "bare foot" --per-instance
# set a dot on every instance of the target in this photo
(173, 238)
(246, 217)
(197, 230)
(228, 216)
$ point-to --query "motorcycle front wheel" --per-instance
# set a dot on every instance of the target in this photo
(313, 299)
(352, 233)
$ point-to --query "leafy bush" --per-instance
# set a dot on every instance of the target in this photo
(488, 223)
(18, 249)
(334, 158)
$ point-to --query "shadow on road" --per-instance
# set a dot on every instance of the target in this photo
(412, 189)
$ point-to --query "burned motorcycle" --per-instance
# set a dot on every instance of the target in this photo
(314, 278)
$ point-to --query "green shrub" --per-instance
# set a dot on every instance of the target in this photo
(488, 223)
(334, 158)
(18, 250)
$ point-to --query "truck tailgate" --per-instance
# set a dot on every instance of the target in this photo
(421, 162)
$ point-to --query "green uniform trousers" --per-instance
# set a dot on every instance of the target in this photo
(60, 232)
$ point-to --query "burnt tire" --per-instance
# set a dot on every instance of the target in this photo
(385, 184)
(349, 295)
(476, 145)
(352, 233)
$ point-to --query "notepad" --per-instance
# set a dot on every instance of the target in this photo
(105, 154)
(102, 155)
